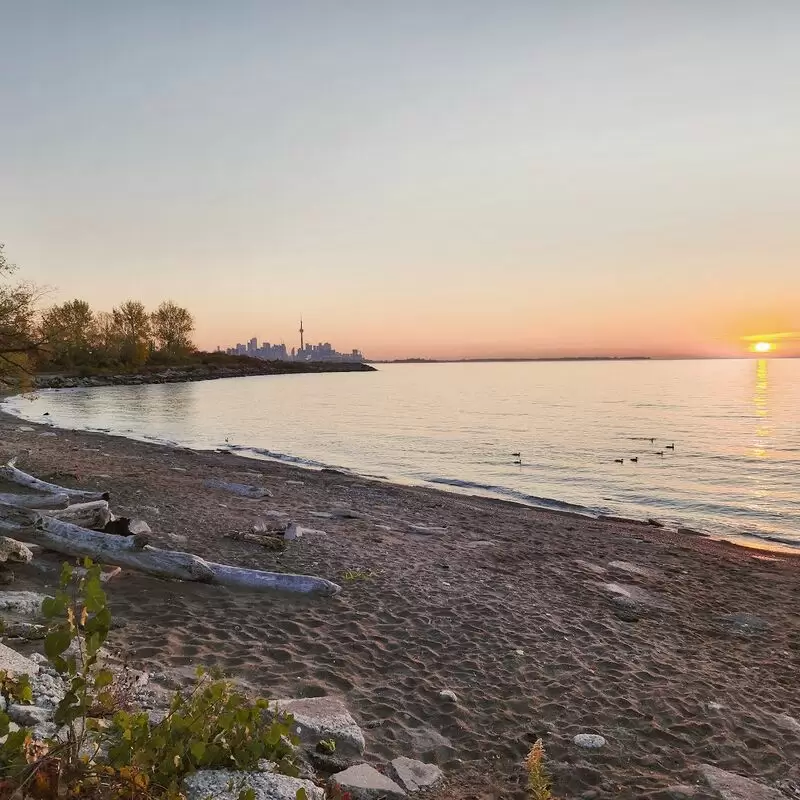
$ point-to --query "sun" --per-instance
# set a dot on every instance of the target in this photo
(762, 347)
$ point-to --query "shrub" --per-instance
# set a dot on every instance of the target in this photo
(213, 726)
(538, 779)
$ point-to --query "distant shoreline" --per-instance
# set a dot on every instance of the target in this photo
(194, 372)
(501, 360)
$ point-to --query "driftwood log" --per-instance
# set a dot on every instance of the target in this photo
(35, 500)
(94, 515)
(10, 473)
(132, 552)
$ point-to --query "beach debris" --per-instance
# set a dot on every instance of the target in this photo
(731, 786)
(589, 741)
(320, 719)
(363, 782)
(35, 500)
(518, 652)
(321, 514)
(271, 539)
(133, 552)
(10, 473)
(240, 489)
(223, 784)
(449, 695)
(654, 523)
(14, 551)
(345, 512)
(632, 569)
(295, 483)
(295, 531)
(94, 514)
(425, 530)
(415, 775)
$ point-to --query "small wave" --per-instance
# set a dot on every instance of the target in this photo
(285, 457)
(503, 491)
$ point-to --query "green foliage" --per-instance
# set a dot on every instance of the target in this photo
(15, 689)
(214, 727)
(81, 602)
(327, 746)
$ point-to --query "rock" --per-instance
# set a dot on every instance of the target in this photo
(319, 718)
(415, 775)
(11, 661)
(150, 510)
(730, 786)
(636, 595)
(589, 741)
(692, 532)
(632, 569)
(654, 523)
(138, 526)
(430, 743)
(788, 723)
(241, 489)
(449, 695)
(29, 716)
(518, 652)
(744, 622)
(363, 782)
(294, 531)
(595, 568)
(12, 728)
(25, 429)
(222, 784)
(321, 514)
(12, 550)
(48, 688)
(295, 483)
(26, 604)
(48, 435)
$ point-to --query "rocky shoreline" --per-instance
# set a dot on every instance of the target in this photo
(205, 372)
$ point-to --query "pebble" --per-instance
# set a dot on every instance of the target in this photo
(448, 694)
(519, 652)
(589, 741)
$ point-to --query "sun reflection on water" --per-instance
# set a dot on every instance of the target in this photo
(761, 403)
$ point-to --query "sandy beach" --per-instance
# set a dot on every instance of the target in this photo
(678, 650)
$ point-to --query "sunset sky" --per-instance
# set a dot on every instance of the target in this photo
(418, 178)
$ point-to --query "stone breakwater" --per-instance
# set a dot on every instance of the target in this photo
(188, 374)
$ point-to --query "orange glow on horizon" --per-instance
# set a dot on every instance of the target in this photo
(762, 347)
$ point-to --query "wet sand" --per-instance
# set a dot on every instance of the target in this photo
(686, 652)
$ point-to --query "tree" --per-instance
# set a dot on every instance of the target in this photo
(132, 324)
(18, 341)
(70, 333)
(172, 327)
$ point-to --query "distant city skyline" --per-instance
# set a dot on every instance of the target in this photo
(306, 351)
(440, 180)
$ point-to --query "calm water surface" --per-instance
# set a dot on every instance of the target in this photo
(734, 472)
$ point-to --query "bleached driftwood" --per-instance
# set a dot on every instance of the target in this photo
(131, 552)
(94, 515)
(35, 500)
(11, 473)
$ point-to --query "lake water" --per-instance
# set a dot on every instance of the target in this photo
(734, 472)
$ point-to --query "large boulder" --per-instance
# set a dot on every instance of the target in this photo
(363, 782)
(731, 786)
(320, 719)
(416, 775)
(222, 784)
(24, 604)
(11, 661)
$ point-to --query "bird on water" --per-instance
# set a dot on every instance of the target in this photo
(670, 446)
(635, 460)
(659, 452)
(619, 460)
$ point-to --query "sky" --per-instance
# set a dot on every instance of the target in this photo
(417, 178)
